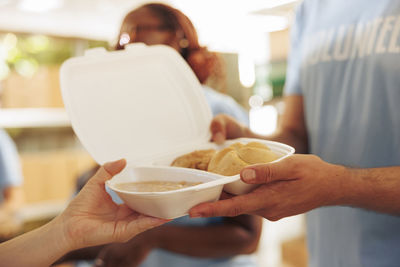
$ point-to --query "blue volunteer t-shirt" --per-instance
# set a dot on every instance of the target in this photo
(345, 62)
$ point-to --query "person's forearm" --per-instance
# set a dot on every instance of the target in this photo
(13, 198)
(375, 189)
(206, 242)
(40, 247)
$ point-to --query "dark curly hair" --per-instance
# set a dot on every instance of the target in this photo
(203, 62)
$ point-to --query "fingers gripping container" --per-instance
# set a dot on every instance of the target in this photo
(146, 105)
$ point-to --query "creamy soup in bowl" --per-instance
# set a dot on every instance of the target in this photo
(154, 186)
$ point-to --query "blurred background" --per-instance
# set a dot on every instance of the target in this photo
(36, 36)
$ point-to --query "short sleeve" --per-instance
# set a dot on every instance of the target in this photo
(230, 107)
(10, 167)
(224, 104)
(292, 84)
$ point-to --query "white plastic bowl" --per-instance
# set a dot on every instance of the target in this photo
(235, 187)
(168, 204)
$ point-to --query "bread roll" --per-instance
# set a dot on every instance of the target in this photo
(231, 160)
(226, 162)
(198, 159)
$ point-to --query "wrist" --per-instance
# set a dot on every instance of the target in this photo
(339, 187)
(357, 190)
(52, 238)
(61, 232)
(348, 187)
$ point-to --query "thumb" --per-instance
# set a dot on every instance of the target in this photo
(268, 172)
(108, 170)
(218, 129)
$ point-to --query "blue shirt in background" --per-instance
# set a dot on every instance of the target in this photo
(10, 168)
(345, 62)
(225, 104)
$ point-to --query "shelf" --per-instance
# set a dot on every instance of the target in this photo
(33, 117)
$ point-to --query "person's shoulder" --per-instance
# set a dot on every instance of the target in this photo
(305, 7)
(208, 90)
(5, 140)
(225, 104)
(3, 134)
(215, 95)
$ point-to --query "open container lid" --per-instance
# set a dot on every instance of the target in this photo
(141, 103)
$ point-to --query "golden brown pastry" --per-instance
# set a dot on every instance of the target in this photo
(231, 160)
(198, 159)
(226, 162)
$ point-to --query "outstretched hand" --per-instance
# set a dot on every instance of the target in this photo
(289, 187)
(92, 218)
(225, 127)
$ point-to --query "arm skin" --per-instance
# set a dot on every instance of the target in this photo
(375, 189)
(315, 183)
(90, 219)
(13, 199)
(301, 183)
(237, 235)
(40, 247)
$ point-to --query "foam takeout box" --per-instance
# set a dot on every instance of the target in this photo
(146, 105)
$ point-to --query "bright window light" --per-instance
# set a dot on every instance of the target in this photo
(4, 70)
(256, 101)
(268, 23)
(247, 74)
(277, 3)
(263, 120)
(229, 23)
(39, 6)
(124, 39)
(26, 67)
(10, 41)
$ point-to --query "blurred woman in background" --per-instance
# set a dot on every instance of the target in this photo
(185, 241)
(154, 24)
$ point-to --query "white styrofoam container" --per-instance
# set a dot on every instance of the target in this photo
(235, 187)
(169, 204)
(146, 105)
(141, 103)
